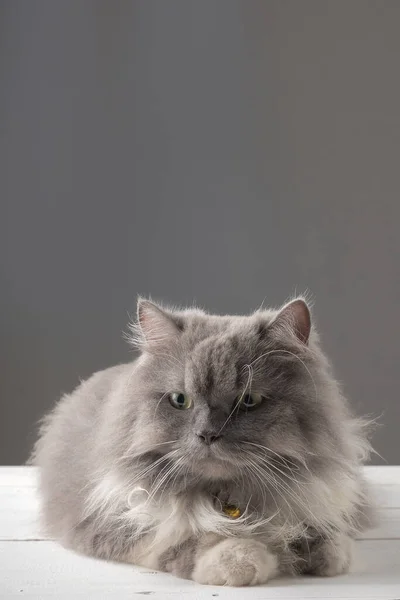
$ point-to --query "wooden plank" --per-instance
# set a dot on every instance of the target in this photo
(388, 526)
(383, 474)
(386, 496)
(19, 514)
(45, 570)
(18, 476)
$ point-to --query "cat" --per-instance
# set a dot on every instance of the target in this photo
(224, 453)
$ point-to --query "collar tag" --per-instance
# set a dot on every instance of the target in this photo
(231, 511)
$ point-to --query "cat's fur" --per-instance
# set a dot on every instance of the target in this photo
(125, 475)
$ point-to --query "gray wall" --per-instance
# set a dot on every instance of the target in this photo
(201, 151)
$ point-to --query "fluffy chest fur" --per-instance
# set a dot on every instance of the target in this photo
(164, 520)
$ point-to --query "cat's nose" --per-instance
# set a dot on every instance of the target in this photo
(208, 437)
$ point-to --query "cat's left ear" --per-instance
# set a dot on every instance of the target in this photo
(296, 317)
(156, 326)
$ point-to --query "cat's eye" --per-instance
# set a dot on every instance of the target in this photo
(179, 400)
(249, 401)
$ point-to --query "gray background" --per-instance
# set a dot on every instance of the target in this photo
(218, 152)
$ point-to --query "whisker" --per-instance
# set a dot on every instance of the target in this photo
(164, 478)
(280, 457)
(131, 456)
(286, 492)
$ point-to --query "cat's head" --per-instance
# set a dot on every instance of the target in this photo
(219, 394)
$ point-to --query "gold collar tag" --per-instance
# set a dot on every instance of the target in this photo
(231, 511)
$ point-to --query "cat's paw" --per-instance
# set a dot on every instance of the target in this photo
(332, 559)
(235, 562)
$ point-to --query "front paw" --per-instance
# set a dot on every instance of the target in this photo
(235, 562)
(332, 558)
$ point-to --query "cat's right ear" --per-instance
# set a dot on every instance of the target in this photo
(155, 327)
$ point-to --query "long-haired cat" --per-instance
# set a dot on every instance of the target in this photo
(225, 453)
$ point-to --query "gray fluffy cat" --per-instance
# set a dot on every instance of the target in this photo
(225, 453)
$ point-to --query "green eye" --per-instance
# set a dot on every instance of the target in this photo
(249, 401)
(179, 400)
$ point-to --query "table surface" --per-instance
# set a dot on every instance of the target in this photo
(32, 566)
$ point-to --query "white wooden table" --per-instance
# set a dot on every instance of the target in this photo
(32, 566)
